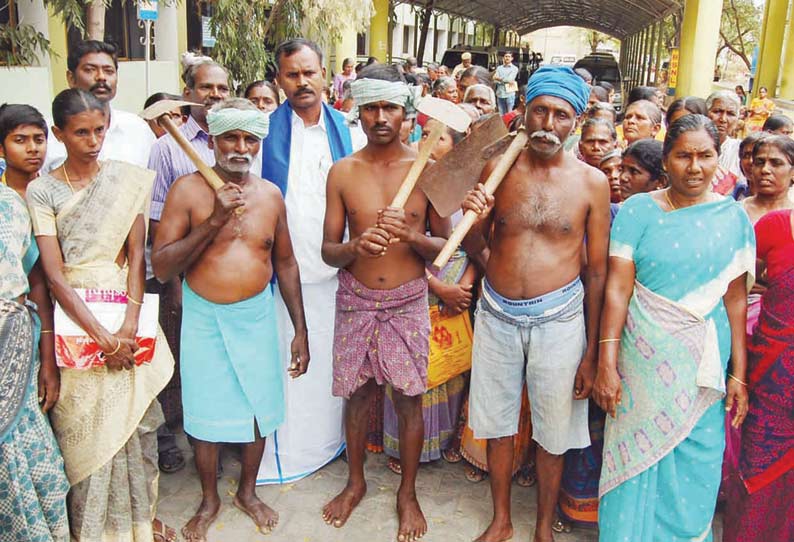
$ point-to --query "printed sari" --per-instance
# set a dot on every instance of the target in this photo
(33, 484)
(441, 404)
(105, 421)
(663, 453)
(760, 508)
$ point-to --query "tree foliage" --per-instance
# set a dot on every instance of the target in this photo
(740, 28)
(246, 31)
(595, 39)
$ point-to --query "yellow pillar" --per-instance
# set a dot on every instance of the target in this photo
(699, 38)
(379, 31)
(787, 75)
(346, 48)
(60, 51)
(772, 32)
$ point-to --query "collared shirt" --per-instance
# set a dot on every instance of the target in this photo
(310, 160)
(170, 162)
(506, 74)
(127, 139)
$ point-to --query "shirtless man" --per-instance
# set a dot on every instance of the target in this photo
(229, 243)
(382, 322)
(531, 325)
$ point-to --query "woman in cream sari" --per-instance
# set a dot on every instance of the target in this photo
(88, 218)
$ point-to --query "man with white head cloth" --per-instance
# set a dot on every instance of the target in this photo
(229, 244)
(382, 329)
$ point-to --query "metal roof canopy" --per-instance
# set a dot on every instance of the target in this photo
(618, 18)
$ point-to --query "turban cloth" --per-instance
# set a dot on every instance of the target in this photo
(252, 121)
(560, 82)
(367, 91)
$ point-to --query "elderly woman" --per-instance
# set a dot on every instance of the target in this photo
(446, 88)
(643, 120)
(723, 110)
(482, 97)
(759, 509)
(674, 314)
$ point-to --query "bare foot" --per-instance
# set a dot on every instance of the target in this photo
(412, 521)
(540, 538)
(497, 531)
(264, 517)
(196, 529)
(339, 509)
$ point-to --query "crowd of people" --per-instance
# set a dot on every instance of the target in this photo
(625, 299)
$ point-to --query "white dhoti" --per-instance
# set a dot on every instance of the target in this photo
(313, 432)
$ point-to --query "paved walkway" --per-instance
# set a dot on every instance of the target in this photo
(456, 510)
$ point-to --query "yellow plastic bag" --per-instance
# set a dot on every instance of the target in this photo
(450, 346)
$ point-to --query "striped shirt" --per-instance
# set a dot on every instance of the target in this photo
(170, 162)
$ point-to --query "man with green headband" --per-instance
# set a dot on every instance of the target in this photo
(382, 322)
(228, 244)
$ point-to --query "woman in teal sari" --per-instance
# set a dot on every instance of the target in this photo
(33, 483)
(681, 261)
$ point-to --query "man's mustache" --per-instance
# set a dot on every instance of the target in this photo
(551, 137)
(98, 86)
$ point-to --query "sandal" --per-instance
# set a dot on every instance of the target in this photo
(451, 455)
(171, 460)
(525, 477)
(394, 466)
(560, 526)
(162, 532)
(473, 474)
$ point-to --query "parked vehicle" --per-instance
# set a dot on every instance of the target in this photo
(480, 56)
(604, 67)
(563, 60)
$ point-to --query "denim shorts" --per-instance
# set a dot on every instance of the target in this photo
(545, 351)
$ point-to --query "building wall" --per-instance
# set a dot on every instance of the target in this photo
(406, 20)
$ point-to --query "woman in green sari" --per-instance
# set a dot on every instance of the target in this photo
(681, 262)
(33, 484)
(88, 218)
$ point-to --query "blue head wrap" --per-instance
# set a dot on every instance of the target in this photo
(560, 82)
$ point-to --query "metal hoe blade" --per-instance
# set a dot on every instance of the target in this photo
(163, 107)
(447, 181)
(446, 112)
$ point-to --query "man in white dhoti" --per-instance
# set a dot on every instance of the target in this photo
(305, 139)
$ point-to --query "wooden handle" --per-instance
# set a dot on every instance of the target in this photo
(207, 172)
(419, 164)
(491, 184)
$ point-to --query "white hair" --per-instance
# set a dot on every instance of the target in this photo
(480, 86)
(725, 96)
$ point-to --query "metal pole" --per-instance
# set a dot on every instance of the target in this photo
(147, 43)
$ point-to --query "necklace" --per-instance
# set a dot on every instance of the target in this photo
(669, 201)
(66, 177)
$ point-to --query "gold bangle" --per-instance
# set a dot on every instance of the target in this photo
(118, 347)
(737, 380)
(43, 331)
(131, 300)
(602, 341)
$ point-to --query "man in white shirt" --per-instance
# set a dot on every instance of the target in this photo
(306, 137)
(93, 67)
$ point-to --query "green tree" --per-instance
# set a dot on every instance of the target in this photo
(740, 27)
(595, 39)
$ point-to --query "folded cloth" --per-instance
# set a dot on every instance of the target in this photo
(230, 369)
(381, 334)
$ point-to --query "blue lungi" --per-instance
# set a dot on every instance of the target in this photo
(230, 367)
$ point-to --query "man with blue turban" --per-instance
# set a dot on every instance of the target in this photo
(531, 327)
(229, 244)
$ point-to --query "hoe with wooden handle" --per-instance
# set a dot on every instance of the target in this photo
(447, 114)
(161, 112)
(491, 184)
